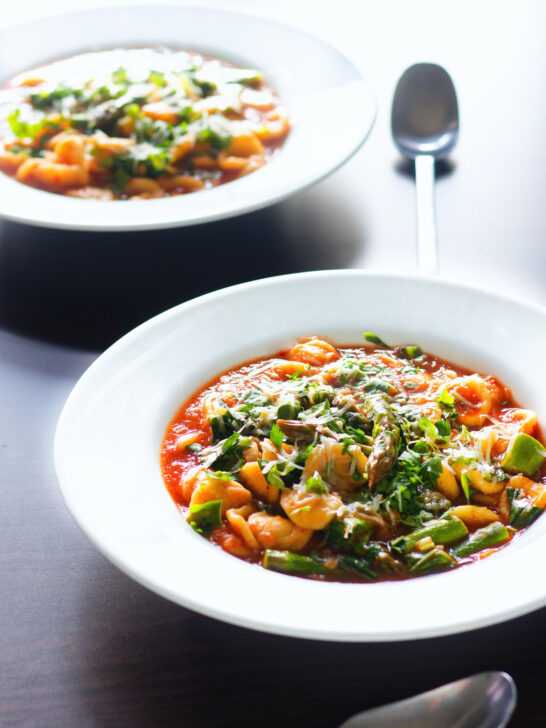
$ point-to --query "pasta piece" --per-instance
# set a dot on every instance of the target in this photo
(252, 476)
(184, 182)
(231, 493)
(233, 544)
(310, 510)
(478, 480)
(447, 483)
(262, 100)
(344, 470)
(472, 399)
(276, 126)
(11, 161)
(189, 438)
(535, 491)
(183, 147)
(70, 149)
(204, 161)
(244, 145)
(143, 186)
(32, 81)
(276, 532)
(490, 501)
(283, 367)
(234, 164)
(160, 111)
(269, 452)
(475, 516)
(313, 351)
(253, 163)
(237, 520)
(112, 145)
(44, 172)
(252, 452)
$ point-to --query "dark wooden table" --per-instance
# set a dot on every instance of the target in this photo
(80, 643)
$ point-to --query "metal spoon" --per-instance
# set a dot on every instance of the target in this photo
(425, 127)
(486, 700)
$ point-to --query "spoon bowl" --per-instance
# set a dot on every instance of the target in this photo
(425, 113)
(486, 700)
(425, 127)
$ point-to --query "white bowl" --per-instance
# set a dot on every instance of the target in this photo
(110, 431)
(332, 108)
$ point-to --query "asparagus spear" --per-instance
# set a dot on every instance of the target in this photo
(290, 563)
(435, 560)
(386, 440)
(492, 535)
(522, 512)
(353, 540)
(358, 566)
(441, 531)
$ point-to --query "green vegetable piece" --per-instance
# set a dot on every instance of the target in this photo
(222, 426)
(289, 563)
(157, 78)
(441, 531)
(321, 393)
(410, 352)
(120, 76)
(194, 447)
(316, 485)
(241, 75)
(465, 485)
(373, 339)
(522, 512)
(216, 129)
(274, 478)
(288, 411)
(428, 428)
(525, 455)
(446, 400)
(205, 516)
(443, 428)
(431, 469)
(353, 539)
(297, 374)
(492, 535)
(354, 565)
(276, 436)
(433, 561)
(26, 130)
(378, 385)
(525, 517)
(386, 438)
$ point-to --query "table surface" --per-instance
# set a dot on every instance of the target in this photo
(83, 645)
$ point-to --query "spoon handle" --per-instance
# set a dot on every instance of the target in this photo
(426, 219)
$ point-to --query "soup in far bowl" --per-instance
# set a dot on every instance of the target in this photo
(148, 123)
